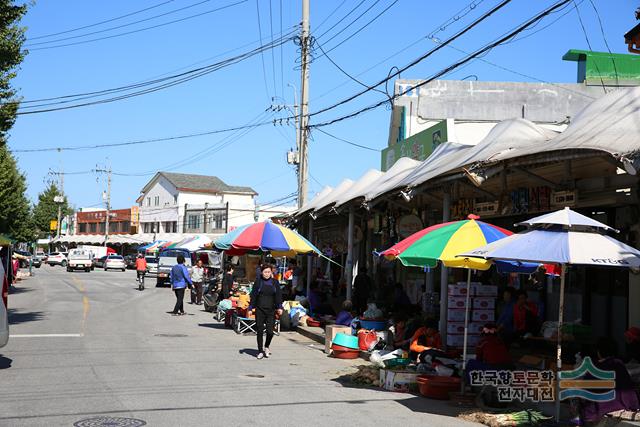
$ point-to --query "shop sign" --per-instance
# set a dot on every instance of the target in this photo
(418, 147)
(53, 225)
(135, 216)
(409, 224)
(527, 200)
(564, 198)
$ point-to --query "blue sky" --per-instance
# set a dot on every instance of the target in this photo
(236, 95)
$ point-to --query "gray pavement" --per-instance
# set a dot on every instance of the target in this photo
(85, 345)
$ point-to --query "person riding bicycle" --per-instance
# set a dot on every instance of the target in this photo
(141, 266)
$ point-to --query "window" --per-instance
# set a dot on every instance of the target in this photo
(146, 227)
(93, 227)
(156, 201)
(218, 220)
(101, 227)
(82, 227)
(148, 201)
(193, 221)
(170, 226)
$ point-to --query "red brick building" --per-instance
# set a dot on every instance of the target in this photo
(121, 221)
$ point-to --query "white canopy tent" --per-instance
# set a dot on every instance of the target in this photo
(359, 188)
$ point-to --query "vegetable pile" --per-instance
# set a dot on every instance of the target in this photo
(366, 375)
(522, 418)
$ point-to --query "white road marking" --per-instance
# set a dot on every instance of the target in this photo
(46, 335)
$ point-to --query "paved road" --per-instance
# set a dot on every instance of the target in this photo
(90, 344)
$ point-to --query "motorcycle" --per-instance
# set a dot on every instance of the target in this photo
(210, 293)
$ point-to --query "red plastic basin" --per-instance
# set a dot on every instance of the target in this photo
(340, 352)
(436, 387)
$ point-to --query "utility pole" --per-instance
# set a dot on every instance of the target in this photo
(59, 199)
(107, 199)
(304, 104)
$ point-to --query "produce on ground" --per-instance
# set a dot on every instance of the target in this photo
(366, 375)
(522, 418)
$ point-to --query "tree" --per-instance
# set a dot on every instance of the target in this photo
(11, 55)
(47, 209)
(15, 212)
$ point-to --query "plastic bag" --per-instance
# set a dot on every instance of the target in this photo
(225, 304)
(367, 340)
(373, 312)
(443, 371)
(379, 356)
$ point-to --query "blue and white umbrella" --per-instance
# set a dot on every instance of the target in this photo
(564, 237)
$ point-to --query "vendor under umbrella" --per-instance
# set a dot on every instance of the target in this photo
(426, 341)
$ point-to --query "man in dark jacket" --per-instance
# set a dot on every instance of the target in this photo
(361, 289)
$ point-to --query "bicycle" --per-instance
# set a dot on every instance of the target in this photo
(140, 280)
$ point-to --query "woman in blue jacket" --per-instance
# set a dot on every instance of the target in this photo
(180, 279)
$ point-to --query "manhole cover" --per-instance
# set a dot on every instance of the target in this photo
(254, 376)
(110, 422)
(171, 335)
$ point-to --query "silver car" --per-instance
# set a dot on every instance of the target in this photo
(115, 262)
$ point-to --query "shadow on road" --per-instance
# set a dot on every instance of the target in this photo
(16, 316)
(213, 325)
(250, 351)
(5, 362)
(18, 290)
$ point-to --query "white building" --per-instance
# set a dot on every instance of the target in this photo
(174, 204)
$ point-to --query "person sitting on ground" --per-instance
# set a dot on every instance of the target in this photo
(317, 301)
(345, 317)
(632, 339)
(491, 353)
(426, 341)
(625, 398)
(399, 330)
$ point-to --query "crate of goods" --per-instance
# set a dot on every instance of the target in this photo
(476, 328)
(399, 381)
(456, 302)
(459, 290)
(455, 315)
(486, 291)
(455, 328)
(457, 340)
(486, 303)
(483, 316)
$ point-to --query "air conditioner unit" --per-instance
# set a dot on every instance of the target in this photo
(564, 198)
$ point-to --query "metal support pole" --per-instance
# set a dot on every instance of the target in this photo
(309, 258)
(559, 344)
(304, 104)
(349, 264)
(106, 230)
(444, 276)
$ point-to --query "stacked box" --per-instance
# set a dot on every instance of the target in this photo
(482, 303)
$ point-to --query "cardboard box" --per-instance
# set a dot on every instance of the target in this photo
(459, 290)
(457, 340)
(476, 328)
(457, 302)
(486, 291)
(330, 333)
(486, 303)
(483, 315)
(455, 328)
(455, 315)
(399, 381)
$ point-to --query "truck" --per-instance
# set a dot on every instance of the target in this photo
(97, 251)
(167, 259)
(80, 259)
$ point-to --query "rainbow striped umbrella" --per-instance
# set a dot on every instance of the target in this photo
(442, 242)
(265, 237)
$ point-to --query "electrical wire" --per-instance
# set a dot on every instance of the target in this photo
(101, 22)
(273, 55)
(416, 61)
(348, 142)
(352, 22)
(604, 37)
(106, 30)
(452, 67)
(160, 84)
(586, 37)
(281, 56)
(141, 29)
(330, 15)
(342, 19)
(264, 68)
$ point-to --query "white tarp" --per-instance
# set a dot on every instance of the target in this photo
(390, 179)
(314, 202)
(359, 188)
(331, 198)
(507, 138)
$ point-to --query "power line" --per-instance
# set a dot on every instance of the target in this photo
(342, 19)
(264, 68)
(419, 59)
(586, 37)
(142, 29)
(330, 14)
(351, 23)
(604, 37)
(281, 56)
(452, 67)
(160, 84)
(118, 26)
(348, 142)
(101, 22)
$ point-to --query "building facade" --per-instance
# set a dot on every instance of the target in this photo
(93, 221)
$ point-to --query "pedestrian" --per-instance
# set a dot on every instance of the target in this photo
(266, 300)
(180, 279)
(227, 282)
(141, 266)
(197, 278)
(361, 289)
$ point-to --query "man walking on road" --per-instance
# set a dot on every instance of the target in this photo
(179, 281)
(197, 277)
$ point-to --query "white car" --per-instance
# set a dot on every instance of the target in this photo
(57, 258)
(115, 262)
(4, 313)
